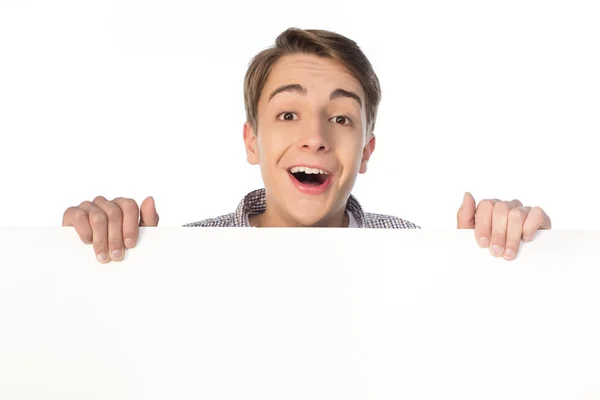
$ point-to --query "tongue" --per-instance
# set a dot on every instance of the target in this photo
(311, 183)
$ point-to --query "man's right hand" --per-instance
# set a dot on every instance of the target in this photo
(111, 226)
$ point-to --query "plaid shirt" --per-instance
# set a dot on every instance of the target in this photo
(255, 202)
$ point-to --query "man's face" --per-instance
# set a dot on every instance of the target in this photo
(311, 114)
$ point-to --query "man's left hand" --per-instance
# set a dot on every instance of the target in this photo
(500, 225)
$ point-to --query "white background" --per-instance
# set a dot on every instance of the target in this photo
(137, 98)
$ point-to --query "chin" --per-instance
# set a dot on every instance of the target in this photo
(309, 215)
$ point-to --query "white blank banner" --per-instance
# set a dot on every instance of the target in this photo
(225, 313)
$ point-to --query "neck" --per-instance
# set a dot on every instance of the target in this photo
(274, 217)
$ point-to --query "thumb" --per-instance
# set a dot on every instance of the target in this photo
(148, 214)
(465, 218)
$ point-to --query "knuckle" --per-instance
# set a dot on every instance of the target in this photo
(484, 208)
(498, 242)
(517, 203)
(115, 243)
(486, 203)
(503, 206)
(498, 235)
(517, 213)
(98, 217)
(129, 206)
(100, 245)
(98, 199)
(100, 242)
(537, 211)
(114, 211)
(79, 215)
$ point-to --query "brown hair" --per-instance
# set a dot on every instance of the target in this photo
(319, 42)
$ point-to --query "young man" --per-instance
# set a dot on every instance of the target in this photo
(311, 104)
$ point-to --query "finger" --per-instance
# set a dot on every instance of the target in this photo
(78, 218)
(514, 231)
(113, 227)
(149, 216)
(99, 223)
(465, 217)
(483, 221)
(499, 227)
(131, 215)
(536, 219)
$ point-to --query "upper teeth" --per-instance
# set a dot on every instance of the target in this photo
(307, 170)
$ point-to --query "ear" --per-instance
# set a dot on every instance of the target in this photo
(250, 142)
(367, 152)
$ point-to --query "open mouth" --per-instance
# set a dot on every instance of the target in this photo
(309, 176)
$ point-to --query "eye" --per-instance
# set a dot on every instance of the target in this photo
(340, 119)
(287, 116)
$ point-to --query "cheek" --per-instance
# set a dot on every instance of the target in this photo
(272, 148)
(350, 154)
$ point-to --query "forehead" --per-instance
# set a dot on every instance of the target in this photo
(313, 72)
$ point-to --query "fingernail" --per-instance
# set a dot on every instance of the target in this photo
(103, 257)
(129, 243)
(509, 254)
(496, 250)
(116, 255)
(483, 242)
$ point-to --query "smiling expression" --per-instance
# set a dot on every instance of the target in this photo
(311, 141)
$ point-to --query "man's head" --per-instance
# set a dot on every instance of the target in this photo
(311, 101)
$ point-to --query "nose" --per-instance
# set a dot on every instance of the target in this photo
(315, 138)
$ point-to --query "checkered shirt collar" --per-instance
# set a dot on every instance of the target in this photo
(255, 202)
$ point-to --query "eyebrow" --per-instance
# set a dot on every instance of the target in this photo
(294, 87)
